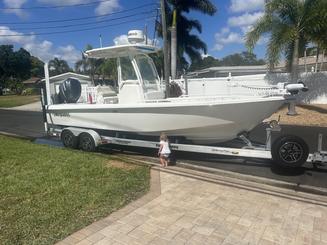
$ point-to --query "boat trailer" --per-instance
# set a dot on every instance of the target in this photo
(286, 151)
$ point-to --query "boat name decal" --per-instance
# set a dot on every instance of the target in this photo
(123, 142)
(61, 114)
(224, 151)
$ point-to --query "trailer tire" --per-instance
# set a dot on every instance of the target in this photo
(86, 142)
(69, 139)
(289, 151)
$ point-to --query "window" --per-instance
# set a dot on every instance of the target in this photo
(148, 72)
(127, 69)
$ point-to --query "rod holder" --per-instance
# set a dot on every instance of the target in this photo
(291, 108)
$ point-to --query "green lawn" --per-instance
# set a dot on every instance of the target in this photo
(48, 193)
(17, 100)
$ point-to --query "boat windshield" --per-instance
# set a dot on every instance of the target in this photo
(148, 72)
(127, 69)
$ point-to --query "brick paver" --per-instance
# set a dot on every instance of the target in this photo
(191, 211)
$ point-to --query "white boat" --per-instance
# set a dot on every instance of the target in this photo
(140, 107)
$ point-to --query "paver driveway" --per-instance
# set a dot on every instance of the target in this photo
(191, 211)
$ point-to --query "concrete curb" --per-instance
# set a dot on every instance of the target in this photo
(258, 184)
(34, 106)
(16, 136)
(257, 179)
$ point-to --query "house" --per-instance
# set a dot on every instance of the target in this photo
(33, 82)
(306, 64)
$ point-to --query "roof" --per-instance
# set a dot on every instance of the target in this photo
(32, 80)
(68, 75)
(121, 51)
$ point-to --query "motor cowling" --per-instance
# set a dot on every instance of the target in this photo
(70, 91)
(295, 88)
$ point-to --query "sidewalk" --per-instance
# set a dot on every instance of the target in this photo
(191, 211)
(36, 106)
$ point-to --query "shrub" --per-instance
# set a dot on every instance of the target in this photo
(31, 91)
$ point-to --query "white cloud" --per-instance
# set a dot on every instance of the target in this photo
(5, 37)
(15, 4)
(245, 19)
(246, 5)
(107, 7)
(62, 2)
(68, 53)
(205, 55)
(228, 38)
(224, 30)
(263, 40)
(218, 47)
(246, 29)
(44, 50)
(121, 40)
(225, 37)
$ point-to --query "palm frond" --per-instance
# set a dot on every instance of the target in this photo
(262, 26)
(203, 6)
(281, 36)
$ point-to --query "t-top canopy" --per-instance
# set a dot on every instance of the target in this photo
(120, 51)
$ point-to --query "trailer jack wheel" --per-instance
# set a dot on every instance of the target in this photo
(289, 151)
(86, 142)
(69, 139)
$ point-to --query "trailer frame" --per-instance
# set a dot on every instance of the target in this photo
(249, 150)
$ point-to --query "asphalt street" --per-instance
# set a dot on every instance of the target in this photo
(29, 124)
(23, 123)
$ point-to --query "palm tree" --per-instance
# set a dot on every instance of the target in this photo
(108, 70)
(58, 66)
(292, 24)
(88, 66)
(188, 43)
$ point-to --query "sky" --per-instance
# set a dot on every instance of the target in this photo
(50, 28)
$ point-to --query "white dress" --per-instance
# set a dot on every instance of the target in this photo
(165, 147)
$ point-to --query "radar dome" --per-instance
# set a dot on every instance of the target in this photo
(135, 36)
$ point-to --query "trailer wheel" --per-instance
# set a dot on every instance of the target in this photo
(289, 151)
(86, 142)
(69, 139)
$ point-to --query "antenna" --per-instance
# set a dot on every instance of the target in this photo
(146, 33)
(155, 27)
(100, 39)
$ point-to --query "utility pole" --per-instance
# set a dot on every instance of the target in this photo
(165, 46)
(100, 39)
(146, 34)
(173, 43)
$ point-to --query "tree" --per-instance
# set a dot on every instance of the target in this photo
(241, 59)
(58, 66)
(291, 25)
(108, 71)
(237, 59)
(206, 62)
(188, 43)
(88, 66)
(15, 66)
(37, 67)
(6, 66)
(22, 64)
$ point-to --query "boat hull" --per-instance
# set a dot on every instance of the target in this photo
(204, 123)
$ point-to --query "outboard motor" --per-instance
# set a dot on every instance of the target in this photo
(70, 91)
(295, 88)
